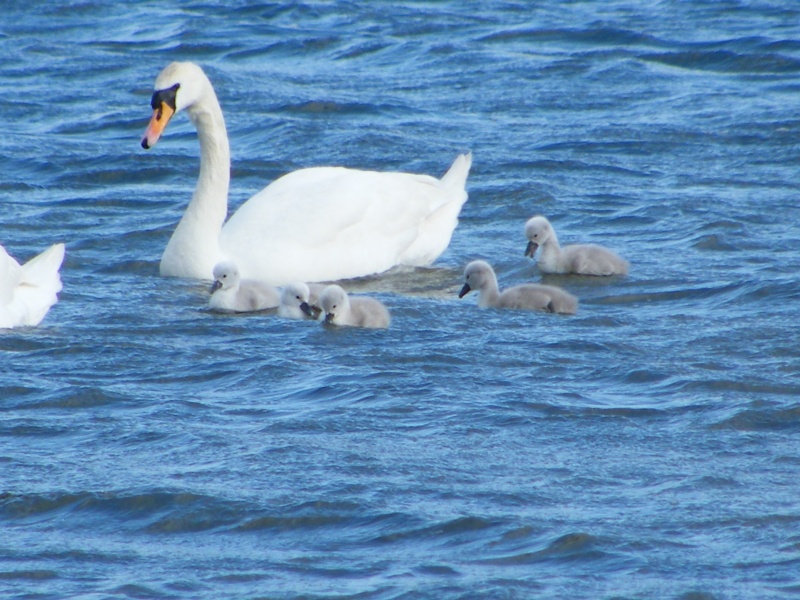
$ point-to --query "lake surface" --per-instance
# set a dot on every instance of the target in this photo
(648, 447)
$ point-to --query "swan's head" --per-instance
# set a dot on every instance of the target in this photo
(334, 301)
(178, 86)
(477, 275)
(226, 276)
(297, 294)
(538, 230)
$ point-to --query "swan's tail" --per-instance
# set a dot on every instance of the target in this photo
(42, 270)
(36, 287)
(456, 176)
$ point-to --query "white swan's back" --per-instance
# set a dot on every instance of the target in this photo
(28, 291)
(332, 223)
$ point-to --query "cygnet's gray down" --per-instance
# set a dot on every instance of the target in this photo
(299, 301)
(583, 259)
(341, 309)
(231, 293)
(479, 276)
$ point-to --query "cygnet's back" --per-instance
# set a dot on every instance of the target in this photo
(231, 293)
(537, 296)
(356, 311)
(582, 259)
(479, 276)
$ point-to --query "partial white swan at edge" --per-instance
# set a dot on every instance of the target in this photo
(314, 224)
(28, 291)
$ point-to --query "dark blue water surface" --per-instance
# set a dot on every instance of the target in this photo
(648, 447)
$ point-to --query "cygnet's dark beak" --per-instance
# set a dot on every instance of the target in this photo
(329, 317)
(464, 290)
(531, 249)
(215, 286)
(311, 311)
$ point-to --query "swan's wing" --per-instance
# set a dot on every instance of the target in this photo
(590, 259)
(368, 312)
(352, 222)
(42, 270)
(561, 301)
(528, 296)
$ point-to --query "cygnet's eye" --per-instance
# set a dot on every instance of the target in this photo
(298, 297)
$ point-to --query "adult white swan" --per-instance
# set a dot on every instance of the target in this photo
(315, 224)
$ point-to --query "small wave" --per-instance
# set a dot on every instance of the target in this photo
(330, 106)
(569, 547)
(154, 511)
(725, 61)
(766, 419)
(31, 575)
(698, 292)
(713, 243)
(75, 397)
(603, 36)
(455, 530)
(285, 523)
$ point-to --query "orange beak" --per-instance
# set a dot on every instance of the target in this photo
(158, 122)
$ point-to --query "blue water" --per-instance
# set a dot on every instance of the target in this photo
(648, 447)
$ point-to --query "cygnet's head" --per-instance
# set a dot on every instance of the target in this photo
(538, 230)
(334, 301)
(226, 276)
(297, 294)
(477, 275)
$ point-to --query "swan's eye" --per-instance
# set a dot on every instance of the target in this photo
(164, 97)
(298, 297)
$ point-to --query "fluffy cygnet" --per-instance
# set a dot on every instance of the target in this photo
(479, 276)
(299, 301)
(231, 293)
(584, 259)
(341, 309)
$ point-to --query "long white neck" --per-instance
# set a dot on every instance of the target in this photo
(193, 249)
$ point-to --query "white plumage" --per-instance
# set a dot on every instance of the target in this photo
(315, 224)
(28, 291)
